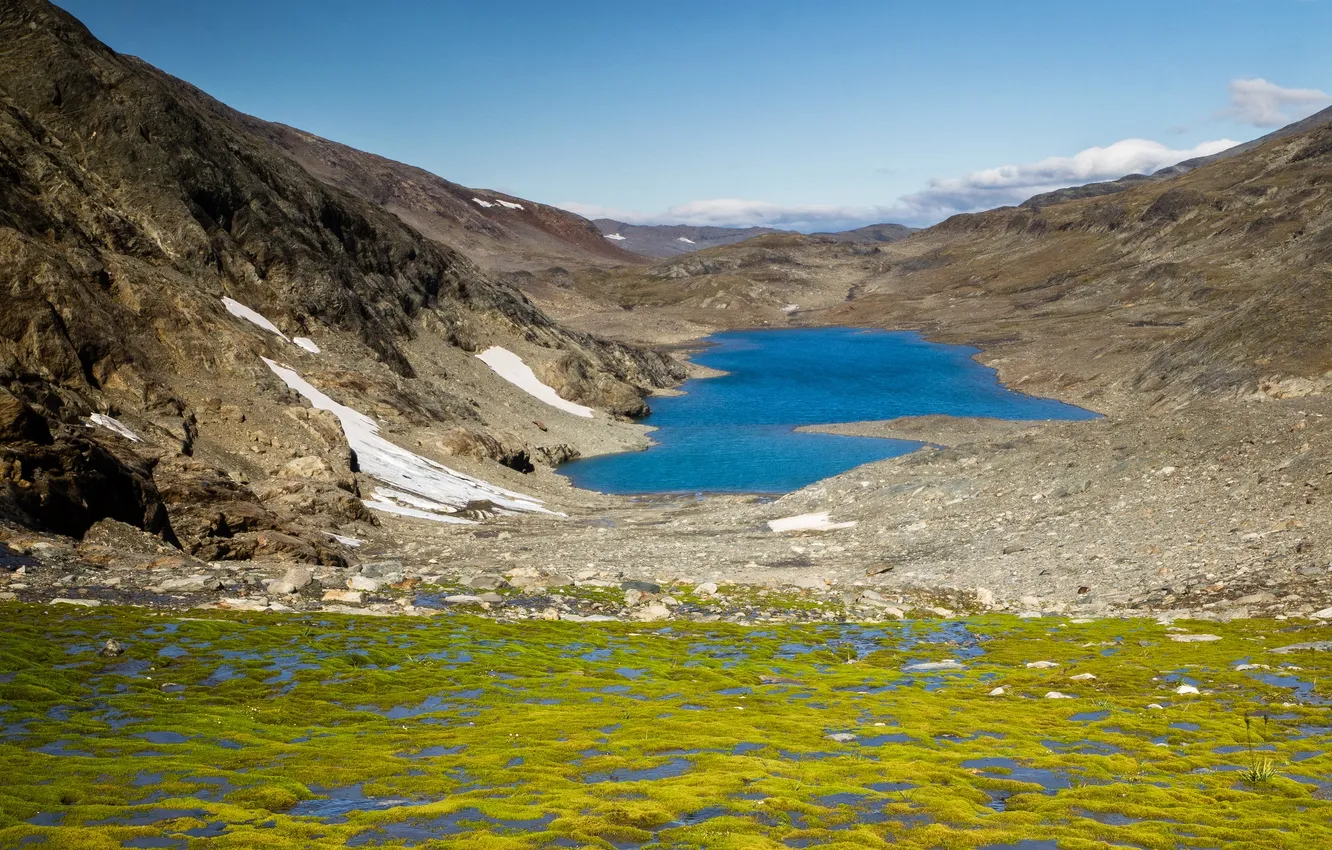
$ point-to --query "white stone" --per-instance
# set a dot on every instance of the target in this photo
(86, 603)
(1057, 695)
(365, 583)
(707, 588)
(1184, 690)
(1041, 665)
(998, 692)
(652, 613)
(1083, 677)
(1194, 638)
(351, 597)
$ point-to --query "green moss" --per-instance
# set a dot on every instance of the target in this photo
(476, 726)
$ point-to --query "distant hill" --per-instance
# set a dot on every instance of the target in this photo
(870, 233)
(671, 240)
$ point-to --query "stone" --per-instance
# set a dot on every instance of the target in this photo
(652, 613)
(352, 597)
(998, 692)
(633, 596)
(242, 604)
(807, 583)
(365, 583)
(646, 587)
(294, 580)
(86, 603)
(709, 588)
(933, 666)
(587, 618)
(984, 597)
(309, 467)
(1185, 690)
(463, 599)
(490, 597)
(188, 584)
(841, 737)
(1083, 677)
(1325, 614)
(1312, 646)
(1057, 695)
(1041, 665)
(1194, 638)
(111, 649)
(486, 581)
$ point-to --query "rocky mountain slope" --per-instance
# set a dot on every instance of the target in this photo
(202, 339)
(496, 230)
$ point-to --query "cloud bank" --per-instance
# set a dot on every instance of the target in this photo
(1260, 103)
(979, 190)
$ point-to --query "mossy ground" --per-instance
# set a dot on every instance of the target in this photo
(241, 731)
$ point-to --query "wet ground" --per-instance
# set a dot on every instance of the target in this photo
(330, 731)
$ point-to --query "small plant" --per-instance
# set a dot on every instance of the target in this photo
(1259, 772)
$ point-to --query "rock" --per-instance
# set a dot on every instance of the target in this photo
(490, 598)
(1057, 695)
(1041, 665)
(1156, 706)
(351, 597)
(998, 692)
(188, 584)
(646, 587)
(1185, 690)
(652, 613)
(1083, 677)
(86, 603)
(587, 618)
(293, 581)
(111, 649)
(1030, 603)
(1193, 638)
(933, 666)
(550, 614)
(1258, 598)
(1313, 646)
(365, 583)
(1325, 614)
(309, 466)
(709, 588)
(807, 583)
(486, 581)
(984, 597)
(841, 737)
(463, 599)
(243, 604)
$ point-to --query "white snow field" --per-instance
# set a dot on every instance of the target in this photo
(617, 237)
(307, 343)
(104, 421)
(682, 239)
(807, 522)
(236, 308)
(414, 486)
(508, 205)
(486, 204)
(511, 368)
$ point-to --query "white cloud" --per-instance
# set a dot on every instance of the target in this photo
(1260, 103)
(1013, 184)
(979, 190)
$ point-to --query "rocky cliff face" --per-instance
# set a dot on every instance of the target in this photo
(131, 206)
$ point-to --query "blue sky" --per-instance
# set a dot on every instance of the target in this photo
(806, 114)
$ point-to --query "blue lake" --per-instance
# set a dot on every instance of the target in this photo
(734, 434)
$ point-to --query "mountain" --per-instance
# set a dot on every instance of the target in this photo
(203, 339)
(870, 233)
(671, 240)
(496, 230)
(1091, 190)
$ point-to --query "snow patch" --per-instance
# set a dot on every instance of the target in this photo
(808, 522)
(306, 343)
(345, 541)
(790, 308)
(236, 308)
(104, 421)
(415, 486)
(617, 237)
(682, 239)
(486, 204)
(511, 368)
(508, 205)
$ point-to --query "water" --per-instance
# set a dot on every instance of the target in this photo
(734, 434)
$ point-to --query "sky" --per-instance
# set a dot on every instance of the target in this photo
(806, 115)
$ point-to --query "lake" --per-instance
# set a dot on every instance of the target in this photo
(735, 434)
